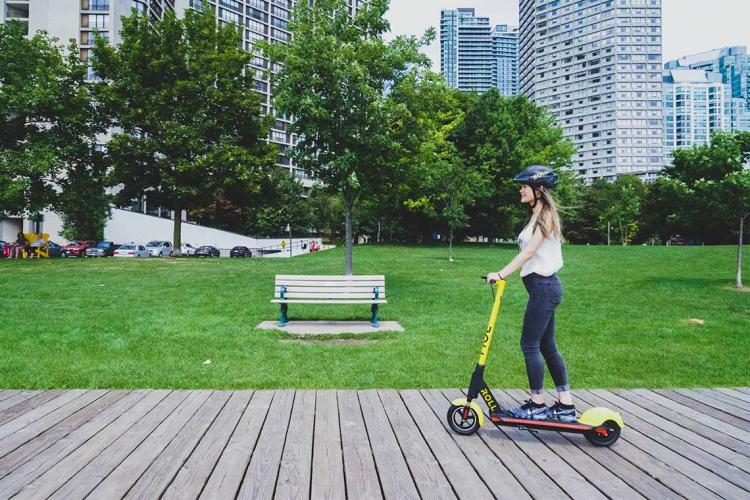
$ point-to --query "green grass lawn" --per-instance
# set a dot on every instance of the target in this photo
(152, 323)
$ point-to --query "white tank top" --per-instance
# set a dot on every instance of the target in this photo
(548, 258)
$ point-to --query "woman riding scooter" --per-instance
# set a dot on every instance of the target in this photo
(539, 259)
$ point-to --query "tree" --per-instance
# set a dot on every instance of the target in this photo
(499, 136)
(333, 81)
(622, 206)
(713, 182)
(182, 95)
(48, 154)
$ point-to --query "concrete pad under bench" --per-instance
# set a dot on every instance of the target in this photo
(331, 327)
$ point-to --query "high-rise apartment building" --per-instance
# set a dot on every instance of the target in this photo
(732, 64)
(596, 65)
(694, 108)
(474, 56)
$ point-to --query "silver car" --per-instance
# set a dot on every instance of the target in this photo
(159, 248)
(132, 250)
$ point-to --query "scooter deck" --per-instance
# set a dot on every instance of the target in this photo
(552, 425)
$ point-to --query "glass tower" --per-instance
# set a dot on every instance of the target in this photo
(474, 56)
(596, 65)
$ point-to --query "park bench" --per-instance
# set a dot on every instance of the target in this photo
(304, 289)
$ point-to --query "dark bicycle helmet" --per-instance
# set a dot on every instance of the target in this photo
(537, 175)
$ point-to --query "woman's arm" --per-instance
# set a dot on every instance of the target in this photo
(519, 260)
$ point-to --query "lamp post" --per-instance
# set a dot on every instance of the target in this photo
(289, 228)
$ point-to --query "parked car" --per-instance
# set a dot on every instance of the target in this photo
(240, 252)
(132, 250)
(55, 250)
(160, 248)
(101, 249)
(207, 251)
(3, 244)
(77, 248)
(187, 249)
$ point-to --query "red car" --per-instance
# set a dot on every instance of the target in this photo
(77, 248)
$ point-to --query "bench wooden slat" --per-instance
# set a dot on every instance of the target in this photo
(321, 301)
(330, 289)
(332, 296)
(325, 277)
(330, 284)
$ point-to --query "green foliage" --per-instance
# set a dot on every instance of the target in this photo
(334, 81)
(182, 94)
(48, 156)
(500, 136)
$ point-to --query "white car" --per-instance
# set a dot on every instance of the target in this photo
(187, 249)
(159, 248)
(132, 250)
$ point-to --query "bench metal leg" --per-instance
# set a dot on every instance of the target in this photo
(374, 319)
(283, 320)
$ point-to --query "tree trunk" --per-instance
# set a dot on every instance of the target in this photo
(348, 251)
(739, 252)
(450, 246)
(622, 235)
(177, 234)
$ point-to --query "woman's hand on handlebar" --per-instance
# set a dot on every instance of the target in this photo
(493, 277)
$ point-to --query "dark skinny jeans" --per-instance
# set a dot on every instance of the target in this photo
(538, 337)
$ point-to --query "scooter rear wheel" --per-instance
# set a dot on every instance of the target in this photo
(604, 435)
(463, 419)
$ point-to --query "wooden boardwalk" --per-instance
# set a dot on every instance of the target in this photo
(360, 445)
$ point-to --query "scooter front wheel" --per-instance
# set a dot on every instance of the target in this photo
(463, 419)
(605, 434)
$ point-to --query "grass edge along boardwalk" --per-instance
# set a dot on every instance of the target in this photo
(623, 321)
(361, 444)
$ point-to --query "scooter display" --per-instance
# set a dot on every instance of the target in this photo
(600, 426)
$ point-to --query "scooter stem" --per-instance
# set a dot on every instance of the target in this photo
(499, 291)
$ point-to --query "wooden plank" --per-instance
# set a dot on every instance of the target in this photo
(561, 472)
(15, 398)
(194, 473)
(723, 422)
(331, 289)
(50, 437)
(678, 473)
(734, 393)
(425, 470)
(296, 460)
(593, 471)
(43, 461)
(123, 476)
(161, 471)
(528, 473)
(24, 419)
(745, 390)
(710, 400)
(332, 302)
(704, 425)
(728, 399)
(50, 420)
(226, 477)
(55, 476)
(637, 479)
(93, 475)
(359, 465)
(721, 473)
(260, 477)
(4, 394)
(457, 468)
(496, 476)
(669, 421)
(26, 404)
(395, 477)
(328, 466)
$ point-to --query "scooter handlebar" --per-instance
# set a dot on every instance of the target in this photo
(492, 282)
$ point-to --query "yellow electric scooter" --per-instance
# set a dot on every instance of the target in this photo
(601, 426)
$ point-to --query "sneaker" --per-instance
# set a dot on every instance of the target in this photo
(530, 411)
(563, 413)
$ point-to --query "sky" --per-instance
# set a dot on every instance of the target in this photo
(688, 26)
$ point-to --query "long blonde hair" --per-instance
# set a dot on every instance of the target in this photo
(548, 220)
